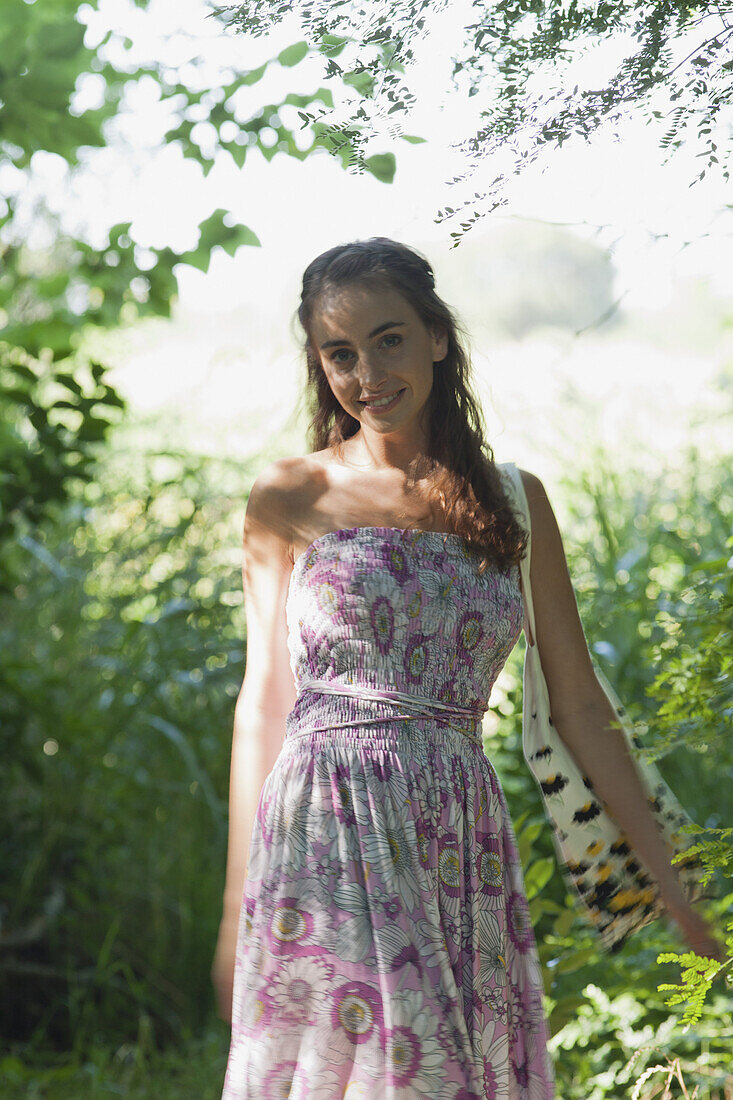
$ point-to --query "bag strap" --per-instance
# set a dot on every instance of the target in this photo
(522, 506)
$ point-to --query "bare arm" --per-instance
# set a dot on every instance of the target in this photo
(267, 694)
(268, 691)
(580, 708)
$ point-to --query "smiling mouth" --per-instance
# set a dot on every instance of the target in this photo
(382, 403)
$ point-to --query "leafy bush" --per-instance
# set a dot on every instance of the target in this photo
(123, 657)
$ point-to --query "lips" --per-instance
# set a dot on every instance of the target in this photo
(380, 396)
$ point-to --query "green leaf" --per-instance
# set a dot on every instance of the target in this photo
(527, 837)
(291, 55)
(253, 76)
(413, 139)
(564, 922)
(540, 905)
(382, 166)
(243, 235)
(566, 1009)
(214, 232)
(569, 963)
(237, 152)
(332, 44)
(362, 82)
(538, 875)
(325, 95)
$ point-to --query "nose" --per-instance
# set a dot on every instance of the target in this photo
(370, 372)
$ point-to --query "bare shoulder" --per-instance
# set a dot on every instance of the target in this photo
(533, 487)
(266, 520)
(276, 500)
(279, 480)
(541, 514)
(267, 688)
(560, 638)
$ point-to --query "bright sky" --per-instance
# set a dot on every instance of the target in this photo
(232, 326)
(620, 184)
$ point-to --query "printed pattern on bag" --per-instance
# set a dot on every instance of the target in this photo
(615, 891)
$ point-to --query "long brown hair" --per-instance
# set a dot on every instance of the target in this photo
(462, 472)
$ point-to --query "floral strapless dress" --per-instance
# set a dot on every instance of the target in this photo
(385, 949)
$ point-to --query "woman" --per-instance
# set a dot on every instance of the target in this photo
(376, 939)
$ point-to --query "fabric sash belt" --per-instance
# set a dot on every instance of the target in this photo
(416, 706)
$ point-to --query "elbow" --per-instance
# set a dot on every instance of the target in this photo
(261, 723)
(581, 702)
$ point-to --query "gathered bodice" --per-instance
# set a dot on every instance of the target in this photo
(389, 607)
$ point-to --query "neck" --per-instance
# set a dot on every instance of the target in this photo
(374, 452)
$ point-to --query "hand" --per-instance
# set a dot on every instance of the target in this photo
(698, 933)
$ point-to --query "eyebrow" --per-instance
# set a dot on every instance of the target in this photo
(372, 334)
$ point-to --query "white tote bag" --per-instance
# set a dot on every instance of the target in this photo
(616, 892)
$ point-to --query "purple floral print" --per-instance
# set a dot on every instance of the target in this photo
(385, 947)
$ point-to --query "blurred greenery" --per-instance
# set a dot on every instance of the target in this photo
(57, 286)
(136, 1070)
(123, 655)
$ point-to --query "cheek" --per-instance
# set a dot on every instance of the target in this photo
(341, 383)
(342, 386)
(334, 378)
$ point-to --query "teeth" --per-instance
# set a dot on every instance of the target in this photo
(383, 400)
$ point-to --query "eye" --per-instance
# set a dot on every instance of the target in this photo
(341, 352)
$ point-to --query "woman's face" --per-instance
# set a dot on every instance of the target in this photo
(371, 344)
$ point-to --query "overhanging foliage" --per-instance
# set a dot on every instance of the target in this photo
(675, 68)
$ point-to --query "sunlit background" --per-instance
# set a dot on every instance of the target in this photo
(599, 302)
(598, 298)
